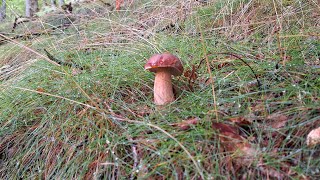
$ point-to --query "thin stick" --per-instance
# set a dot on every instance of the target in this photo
(299, 35)
(209, 70)
(238, 57)
(135, 157)
(48, 94)
(29, 49)
(278, 35)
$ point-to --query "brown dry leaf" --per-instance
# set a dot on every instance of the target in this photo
(286, 58)
(259, 107)
(224, 64)
(191, 74)
(225, 128)
(229, 136)
(240, 120)
(313, 137)
(52, 157)
(271, 173)
(39, 89)
(259, 56)
(243, 153)
(185, 125)
(39, 111)
(230, 139)
(277, 120)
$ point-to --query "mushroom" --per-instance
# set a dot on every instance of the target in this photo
(164, 65)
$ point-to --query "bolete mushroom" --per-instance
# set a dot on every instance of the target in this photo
(164, 65)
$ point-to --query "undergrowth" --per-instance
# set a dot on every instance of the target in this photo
(100, 122)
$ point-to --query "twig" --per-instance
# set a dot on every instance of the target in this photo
(209, 70)
(238, 57)
(29, 49)
(48, 94)
(50, 56)
(18, 36)
(135, 158)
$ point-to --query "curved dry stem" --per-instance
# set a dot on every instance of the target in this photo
(209, 70)
(48, 94)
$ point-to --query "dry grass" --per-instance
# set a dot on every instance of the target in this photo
(100, 123)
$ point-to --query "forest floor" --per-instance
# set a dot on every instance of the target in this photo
(247, 99)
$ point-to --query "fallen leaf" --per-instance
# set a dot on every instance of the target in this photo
(277, 120)
(313, 137)
(240, 120)
(243, 153)
(229, 136)
(271, 172)
(38, 111)
(39, 89)
(191, 74)
(224, 64)
(225, 128)
(260, 56)
(258, 107)
(286, 58)
(185, 125)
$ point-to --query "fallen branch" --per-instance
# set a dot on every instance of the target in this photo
(30, 35)
(239, 58)
(19, 36)
(52, 58)
(19, 20)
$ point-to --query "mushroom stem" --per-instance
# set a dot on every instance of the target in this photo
(163, 93)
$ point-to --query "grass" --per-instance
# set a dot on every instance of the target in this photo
(101, 122)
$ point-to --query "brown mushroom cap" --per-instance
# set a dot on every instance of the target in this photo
(165, 60)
